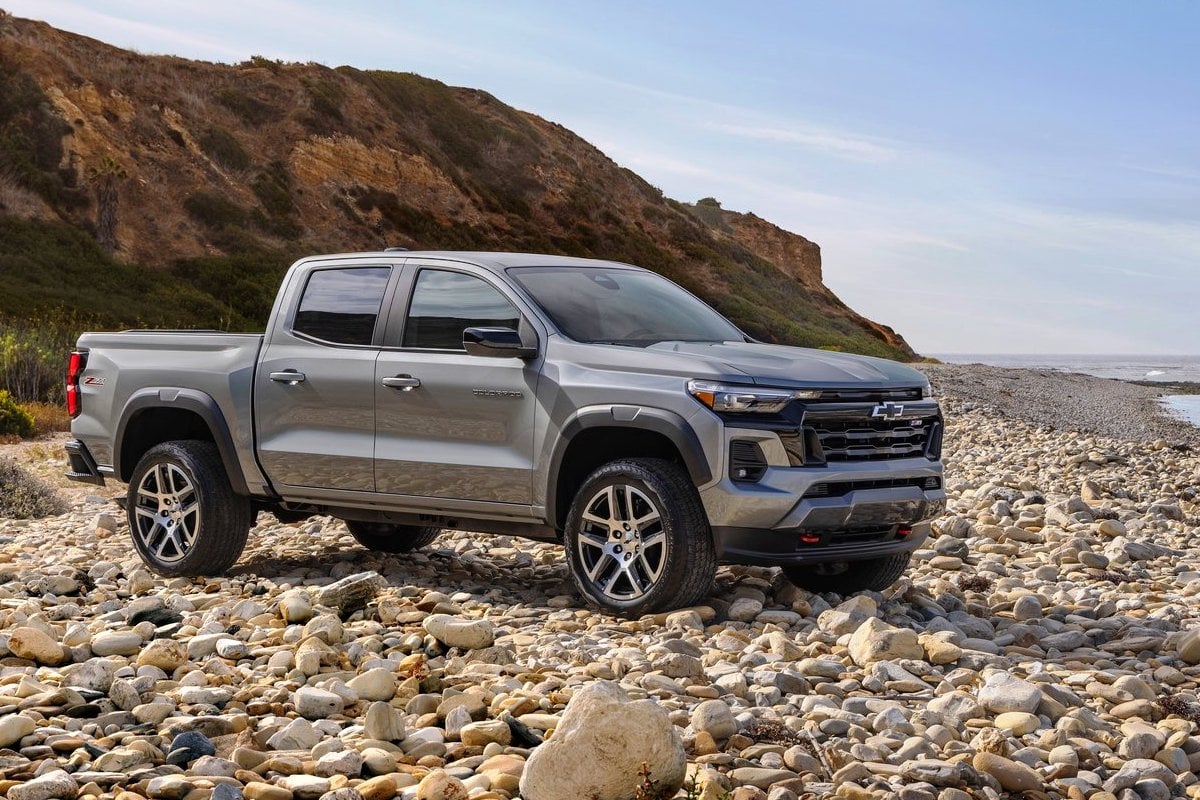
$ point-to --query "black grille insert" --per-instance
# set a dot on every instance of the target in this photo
(861, 437)
(842, 488)
(747, 463)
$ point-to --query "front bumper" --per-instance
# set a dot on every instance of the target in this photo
(846, 511)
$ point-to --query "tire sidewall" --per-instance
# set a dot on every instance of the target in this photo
(644, 480)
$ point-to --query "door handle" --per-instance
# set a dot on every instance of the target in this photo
(289, 376)
(405, 383)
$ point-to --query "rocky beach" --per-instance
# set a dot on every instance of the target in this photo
(1045, 643)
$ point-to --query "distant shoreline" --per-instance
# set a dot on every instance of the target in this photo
(1113, 407)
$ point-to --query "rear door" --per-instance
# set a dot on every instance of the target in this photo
(314, 389)
(448, 424)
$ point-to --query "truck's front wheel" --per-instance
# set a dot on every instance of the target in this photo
(183, 516)
(637, 538)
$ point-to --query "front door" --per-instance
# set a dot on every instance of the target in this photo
(448, 424)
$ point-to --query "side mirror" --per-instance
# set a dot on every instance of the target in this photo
(496, 343)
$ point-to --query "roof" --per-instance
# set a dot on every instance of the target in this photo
(490, 260)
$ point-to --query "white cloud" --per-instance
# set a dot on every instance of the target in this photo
(834, 143)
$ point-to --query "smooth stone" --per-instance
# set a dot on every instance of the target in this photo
(374, 684)
(166, 654)
(1012, 775)
(466, 634)
(481, 734)
(116, 643)
(53, 784)
(14, 728)
(384, 723)
(1019, 722)
(314, 703)
(714, 718)
(876, 640)
(1003, 692)
(35, 645)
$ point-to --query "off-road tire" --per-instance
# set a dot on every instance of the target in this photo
(686, 558)
(875, 574)
(175, 541)
(383, 537)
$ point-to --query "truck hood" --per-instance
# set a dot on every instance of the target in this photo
(799, 367)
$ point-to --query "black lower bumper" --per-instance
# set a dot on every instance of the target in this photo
(783, 547)
(83, 466)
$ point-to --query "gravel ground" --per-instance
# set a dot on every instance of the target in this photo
(1064, 401)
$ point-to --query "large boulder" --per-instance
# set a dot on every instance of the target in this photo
(601, 745)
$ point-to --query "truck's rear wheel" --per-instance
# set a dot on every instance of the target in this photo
(183, 515)
(875, 574)
(637, 538)
(387, 538)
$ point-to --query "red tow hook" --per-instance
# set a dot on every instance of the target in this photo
(902, 532)
(810, 538)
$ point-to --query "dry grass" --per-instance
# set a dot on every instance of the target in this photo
(48, 417)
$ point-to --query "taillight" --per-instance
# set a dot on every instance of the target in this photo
(74, 369)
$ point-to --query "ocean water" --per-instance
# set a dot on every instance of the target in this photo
(1153, 369)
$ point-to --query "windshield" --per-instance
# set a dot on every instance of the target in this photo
(603, 305)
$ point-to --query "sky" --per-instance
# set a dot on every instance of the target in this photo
(985, 177)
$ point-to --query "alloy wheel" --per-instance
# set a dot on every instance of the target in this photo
(167, 514)
(622, 544)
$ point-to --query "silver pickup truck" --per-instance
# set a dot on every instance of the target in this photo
(585, 402)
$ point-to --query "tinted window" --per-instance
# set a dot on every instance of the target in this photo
(341, 305)
(622, 306)
(446, 303)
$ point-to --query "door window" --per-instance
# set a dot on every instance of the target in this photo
(340, 306)
(446, 303)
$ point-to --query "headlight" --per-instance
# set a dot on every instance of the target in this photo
(725, 398)
(927, 391)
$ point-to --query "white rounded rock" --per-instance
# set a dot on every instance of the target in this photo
(467, 634)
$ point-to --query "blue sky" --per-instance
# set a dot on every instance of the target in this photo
(1019, 177)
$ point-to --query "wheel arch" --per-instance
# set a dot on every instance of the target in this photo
(597, 436)
(154, 416)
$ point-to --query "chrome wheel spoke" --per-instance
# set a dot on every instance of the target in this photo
(620, 544)
(654, 539)
(592, 539)
(593, 574)
(166, 515)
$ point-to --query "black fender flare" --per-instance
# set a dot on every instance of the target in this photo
(657, 420)
(191, 400)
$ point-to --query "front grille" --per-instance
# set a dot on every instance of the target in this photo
(865, 439)
(842, 488)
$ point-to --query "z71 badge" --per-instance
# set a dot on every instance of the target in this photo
(93, 380)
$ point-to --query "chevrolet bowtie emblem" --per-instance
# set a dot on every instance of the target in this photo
(888, 411)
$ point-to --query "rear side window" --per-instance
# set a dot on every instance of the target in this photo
(445, 303)
(340, 306)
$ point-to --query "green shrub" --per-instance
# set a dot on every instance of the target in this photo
(14, 420)
(26, 497)
(214, 211)
(250, 109)
(223, 147)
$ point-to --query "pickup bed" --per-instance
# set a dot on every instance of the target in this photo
(587, 402)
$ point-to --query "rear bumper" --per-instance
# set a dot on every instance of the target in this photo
(83, 466)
